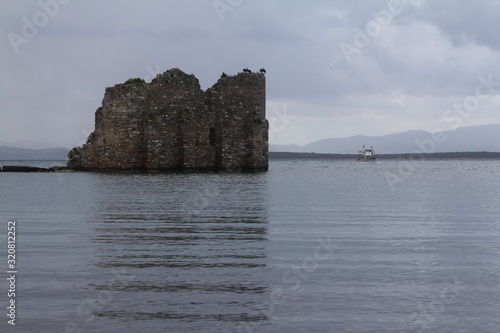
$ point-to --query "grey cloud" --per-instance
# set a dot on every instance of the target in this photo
(430, 54)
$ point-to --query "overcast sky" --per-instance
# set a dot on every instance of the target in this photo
(334, 68)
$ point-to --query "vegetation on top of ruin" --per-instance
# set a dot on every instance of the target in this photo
(135, 81)
(132, 81)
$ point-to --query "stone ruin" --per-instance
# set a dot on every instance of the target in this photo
(171, 124)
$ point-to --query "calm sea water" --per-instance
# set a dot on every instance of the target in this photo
(310, 246)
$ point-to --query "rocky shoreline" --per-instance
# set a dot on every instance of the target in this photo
(23, 168)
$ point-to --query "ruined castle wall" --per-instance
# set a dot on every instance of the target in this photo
(240, 103)
(178, 124)
(172, 124)
(174, 101)
(116, 142)
(199, 151)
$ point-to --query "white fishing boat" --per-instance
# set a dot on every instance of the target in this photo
(367, 155)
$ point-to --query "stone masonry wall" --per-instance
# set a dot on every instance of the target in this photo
(172, 124)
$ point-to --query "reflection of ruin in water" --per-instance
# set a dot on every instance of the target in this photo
(192, 245)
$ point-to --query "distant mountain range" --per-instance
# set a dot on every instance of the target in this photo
(465, 139)
(12, 154)
(473, 138)
(29, 144)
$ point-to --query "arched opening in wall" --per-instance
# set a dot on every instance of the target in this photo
(211, 136)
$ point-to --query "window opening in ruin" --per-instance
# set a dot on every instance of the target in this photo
(211, 136)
